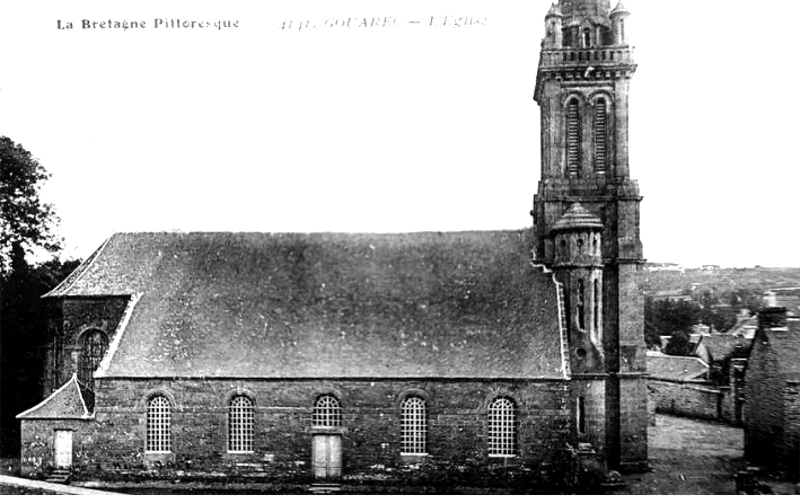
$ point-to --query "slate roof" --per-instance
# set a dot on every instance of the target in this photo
(619, 9)
(288, 305)
(65, 403)
(577, 217)
(723, 346)
(682, 368)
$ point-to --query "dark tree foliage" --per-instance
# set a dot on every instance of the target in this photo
(25, 223)
(24, 219)
(24, 339)
(721, 319)
(668, 318)
(679, 344)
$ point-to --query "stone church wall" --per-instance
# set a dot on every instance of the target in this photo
(70, 319)
(112, 446)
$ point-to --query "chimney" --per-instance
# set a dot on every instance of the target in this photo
(771, 316)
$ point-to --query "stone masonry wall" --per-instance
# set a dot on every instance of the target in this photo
(113, 445)
(791, 439)
(764, 407)
(38, 443)
(686, 398)
(633, 422)
(71, 318)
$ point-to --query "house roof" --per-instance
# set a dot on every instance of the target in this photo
(465, 304)
(745, 327)
(683, 368)
(65, 403)
(723, 346)
(791, 302)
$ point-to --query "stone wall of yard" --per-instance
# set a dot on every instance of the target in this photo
(695, 399)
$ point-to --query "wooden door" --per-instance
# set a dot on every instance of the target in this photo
(63, 448)
(326, 456)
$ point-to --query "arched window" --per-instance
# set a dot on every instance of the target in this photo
(327, 412)
(502, 428)
(414, 424)
(93, 347)
(581, 304)
(240, 424)
(587, 38)
(573, 139)
(159, 425)
(600, 136)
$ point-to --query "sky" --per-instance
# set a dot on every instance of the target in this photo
(316, 126)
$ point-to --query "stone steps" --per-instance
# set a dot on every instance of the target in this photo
(59, 476)
(324, 488)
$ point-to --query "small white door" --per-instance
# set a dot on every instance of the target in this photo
(63, 447)
(326, 456)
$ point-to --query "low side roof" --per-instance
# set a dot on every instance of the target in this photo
(65, 403)
(684, 368)
(466, 304)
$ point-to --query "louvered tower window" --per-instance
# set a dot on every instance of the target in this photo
(159, 425)
(414, 425)
(502, 428)
(327, 412)
(573, 139)
(240, 425)
(600, 136)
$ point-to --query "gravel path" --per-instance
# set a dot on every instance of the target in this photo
(690, 457)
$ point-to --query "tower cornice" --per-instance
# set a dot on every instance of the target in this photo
(584, 65)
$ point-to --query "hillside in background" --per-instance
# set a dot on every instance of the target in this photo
(681, 301)
(718, 280)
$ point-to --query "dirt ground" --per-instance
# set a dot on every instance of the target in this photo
(690, 457)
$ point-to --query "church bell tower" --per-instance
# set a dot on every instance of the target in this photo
(586, 221)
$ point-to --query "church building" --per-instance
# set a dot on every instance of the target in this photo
(490, 356)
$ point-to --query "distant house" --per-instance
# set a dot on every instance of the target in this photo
(719, 350)
(706, 385)
(788, 298)
(677, 385)
(665, 267)
(745, 326)
(674, 296)
(772, 389)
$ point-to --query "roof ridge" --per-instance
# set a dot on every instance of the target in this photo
(112, 348)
